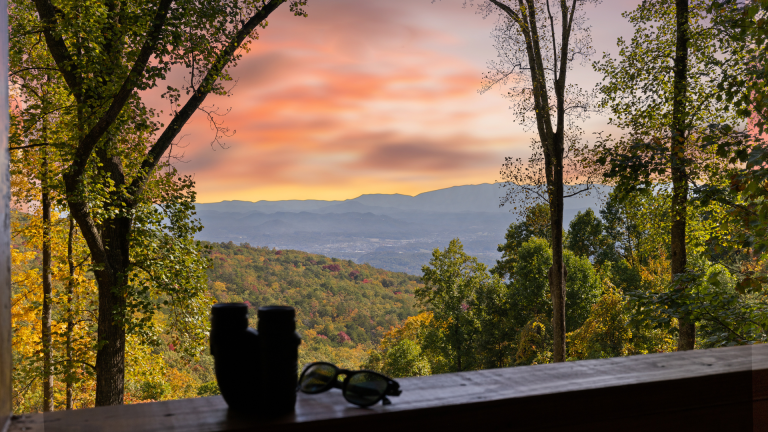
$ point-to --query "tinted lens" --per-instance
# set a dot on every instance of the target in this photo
(365, 388)
(316, 378)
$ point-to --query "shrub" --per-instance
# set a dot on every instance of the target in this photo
(208, 389)
(343, 337)
(332, 267)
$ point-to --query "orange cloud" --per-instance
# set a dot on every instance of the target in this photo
(360, 97)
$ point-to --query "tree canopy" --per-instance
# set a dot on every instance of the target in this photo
(80, 71)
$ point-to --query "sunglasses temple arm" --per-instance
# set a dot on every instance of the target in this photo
(393, 390)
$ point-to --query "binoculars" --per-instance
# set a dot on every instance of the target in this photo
(256, 370)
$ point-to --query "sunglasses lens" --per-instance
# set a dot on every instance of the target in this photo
(317, 377)
(365, 388)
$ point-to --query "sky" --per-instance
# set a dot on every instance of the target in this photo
(367, 96)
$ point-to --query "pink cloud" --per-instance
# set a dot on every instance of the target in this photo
(362, 96)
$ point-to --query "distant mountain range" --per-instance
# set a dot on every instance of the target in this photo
(390, 231)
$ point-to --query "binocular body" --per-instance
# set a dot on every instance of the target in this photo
(256, 370)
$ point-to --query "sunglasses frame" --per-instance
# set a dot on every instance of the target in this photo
(393, 388)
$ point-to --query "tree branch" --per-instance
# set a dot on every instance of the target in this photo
(30, 146)
(576, 193)
(508, 10)
(89, 141)
(31, 68)
(58, 48)
(554, 46)
(205, 87)
(76, 361)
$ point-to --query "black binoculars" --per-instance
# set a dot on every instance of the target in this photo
(257, 370)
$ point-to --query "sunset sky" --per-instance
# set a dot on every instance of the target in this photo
(368, 96)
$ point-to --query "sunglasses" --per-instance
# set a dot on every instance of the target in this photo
(363, 388)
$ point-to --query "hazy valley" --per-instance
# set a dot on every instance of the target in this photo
(393, 232)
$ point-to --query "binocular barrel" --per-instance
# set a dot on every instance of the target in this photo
(256, 370)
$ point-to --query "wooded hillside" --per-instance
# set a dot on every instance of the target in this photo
(343, 309)
(339, 300)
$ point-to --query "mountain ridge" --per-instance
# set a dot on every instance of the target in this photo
(395, 232)
(484, 197)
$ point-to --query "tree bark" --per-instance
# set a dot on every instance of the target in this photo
(687, 328)
(557, 272)
(70, 311)
(110, 358)
(115, 234)
(47, 339)
(109, 246)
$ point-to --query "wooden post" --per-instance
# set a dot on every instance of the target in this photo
(5, 234)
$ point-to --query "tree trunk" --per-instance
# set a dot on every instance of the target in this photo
(110, 359)
(557, 271)
(47, 338)
(687, 328)
(552, 141)
(109, 246)
(115, 233)
(70, 310)
(109, 251)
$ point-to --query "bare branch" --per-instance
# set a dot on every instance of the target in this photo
(172, 130)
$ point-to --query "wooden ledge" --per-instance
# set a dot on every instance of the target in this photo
(724, 389)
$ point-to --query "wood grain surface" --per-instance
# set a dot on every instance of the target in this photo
(723, 389)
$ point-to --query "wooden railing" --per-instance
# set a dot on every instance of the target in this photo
(724, 389)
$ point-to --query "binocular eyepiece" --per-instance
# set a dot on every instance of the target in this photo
(256, 370)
